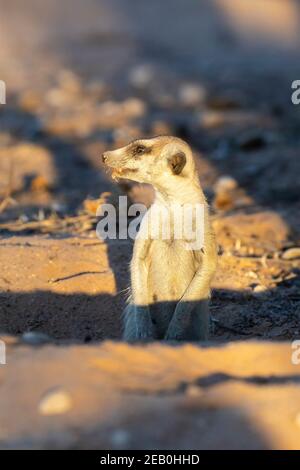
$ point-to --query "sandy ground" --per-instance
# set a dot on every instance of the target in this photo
(113, 396)
(76, 88)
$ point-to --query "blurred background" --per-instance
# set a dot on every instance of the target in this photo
(186, 67)
(98, 73)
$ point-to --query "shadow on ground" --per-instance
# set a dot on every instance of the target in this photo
(90, 318)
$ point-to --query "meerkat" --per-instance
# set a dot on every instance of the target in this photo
(170, 283)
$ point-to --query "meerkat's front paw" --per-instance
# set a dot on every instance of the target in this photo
(175, 332)
(144, 326)
(144, 331)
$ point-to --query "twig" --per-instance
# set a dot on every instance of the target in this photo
(71, 276)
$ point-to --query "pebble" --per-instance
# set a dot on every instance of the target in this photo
(58, 207)
(55, 402)
(134, 107)
(191, 94)
(69, 81)
(211, 119)
(259, 289)
(142, 75)
(193, 391)
(56, 97)
(291, 253)
(30, 101)
(161, 128)
(120, 438)
(224, 201)
(35, 338)
(225, 183)
(39, 183)
(252, 274)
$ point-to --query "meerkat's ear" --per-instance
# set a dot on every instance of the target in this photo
(177, 162)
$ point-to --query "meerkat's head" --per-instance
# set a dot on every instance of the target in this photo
(156, 161)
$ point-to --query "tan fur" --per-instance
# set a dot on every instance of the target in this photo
(170, 285)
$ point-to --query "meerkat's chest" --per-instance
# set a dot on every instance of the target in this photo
(171, 269)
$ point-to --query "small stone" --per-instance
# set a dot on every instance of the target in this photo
(55, 402)
(193, 391)
(56, 97)
(224, 201)
(134, 107)
(35, 338)
(211, 119)
(91, 206)
(69, 81)
(238, 244)
(30, 101)
(120, 438)
(191, 94)
(291, 253)
(59, 207)
(24, 218)
(141, 75)
(259, 289)
(161, 128)
(39, 183)
(225, 183)
(252, 274)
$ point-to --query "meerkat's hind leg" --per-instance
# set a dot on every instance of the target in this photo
(128, 323)
(138, 325)
(200, 322)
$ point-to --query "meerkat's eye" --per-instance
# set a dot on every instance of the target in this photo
(139, 150)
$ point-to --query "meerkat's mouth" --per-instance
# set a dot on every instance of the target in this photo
(121, 172)
(117, 173)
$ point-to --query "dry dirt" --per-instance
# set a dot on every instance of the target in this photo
(75, 90)
(115, 396)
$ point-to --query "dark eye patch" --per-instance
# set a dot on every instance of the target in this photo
(139, 150)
